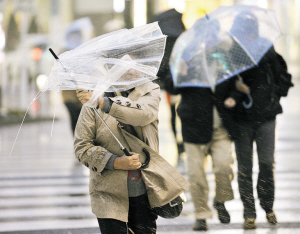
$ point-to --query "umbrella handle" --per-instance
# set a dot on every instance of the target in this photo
(146, 152)
(126, 152)
(247, 106)
(145, 164)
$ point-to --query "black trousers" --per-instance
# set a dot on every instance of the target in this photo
(264, 136)
(141, 219)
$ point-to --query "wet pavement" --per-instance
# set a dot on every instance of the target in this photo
(43, 189)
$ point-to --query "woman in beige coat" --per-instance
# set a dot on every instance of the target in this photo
(122, 196)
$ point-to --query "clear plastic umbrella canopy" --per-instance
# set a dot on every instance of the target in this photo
(226, 42)
(116, 61)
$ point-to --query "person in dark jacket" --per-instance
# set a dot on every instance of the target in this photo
(171, 24)
(268, 82)
(204, 134)
(203, 130)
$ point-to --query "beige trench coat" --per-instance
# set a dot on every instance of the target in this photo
(94, 145)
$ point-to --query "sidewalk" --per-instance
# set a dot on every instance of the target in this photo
(14, 119)
(43, 189)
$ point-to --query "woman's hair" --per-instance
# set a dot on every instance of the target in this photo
(109, 94)
(123, 93)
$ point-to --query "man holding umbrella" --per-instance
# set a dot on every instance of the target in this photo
(202, 129)
(235, 44)
(200, 65)
(171, 25)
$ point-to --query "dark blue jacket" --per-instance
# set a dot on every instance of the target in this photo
(268, 82)
(195, 110)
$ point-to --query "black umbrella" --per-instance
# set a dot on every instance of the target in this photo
(171, 25)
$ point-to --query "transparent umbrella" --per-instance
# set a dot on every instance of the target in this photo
(116, 61)
(104, 63)
(224, 43)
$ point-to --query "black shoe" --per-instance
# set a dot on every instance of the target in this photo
(249, 223)
(223, 214)
(271, 217)
(200, 225)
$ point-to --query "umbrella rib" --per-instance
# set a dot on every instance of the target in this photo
(241, 45)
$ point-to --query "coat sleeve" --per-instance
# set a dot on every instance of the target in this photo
(87, 152)
(141, 112)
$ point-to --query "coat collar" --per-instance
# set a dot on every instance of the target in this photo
(141, 90)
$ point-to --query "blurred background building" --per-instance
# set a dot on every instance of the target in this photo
(28, 28)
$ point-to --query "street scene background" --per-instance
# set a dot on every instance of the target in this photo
(43, 188)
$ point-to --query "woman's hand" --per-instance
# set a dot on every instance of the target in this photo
(242, 87)
(85, 95)
(128, 162)
(229, 102)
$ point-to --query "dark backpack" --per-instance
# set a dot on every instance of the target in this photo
(270, 81)
(278, 82)
(283, 79)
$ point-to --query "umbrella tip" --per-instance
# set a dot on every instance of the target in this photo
(52, 52)
(206, 15)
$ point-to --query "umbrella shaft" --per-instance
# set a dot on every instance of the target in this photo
(122, 147)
